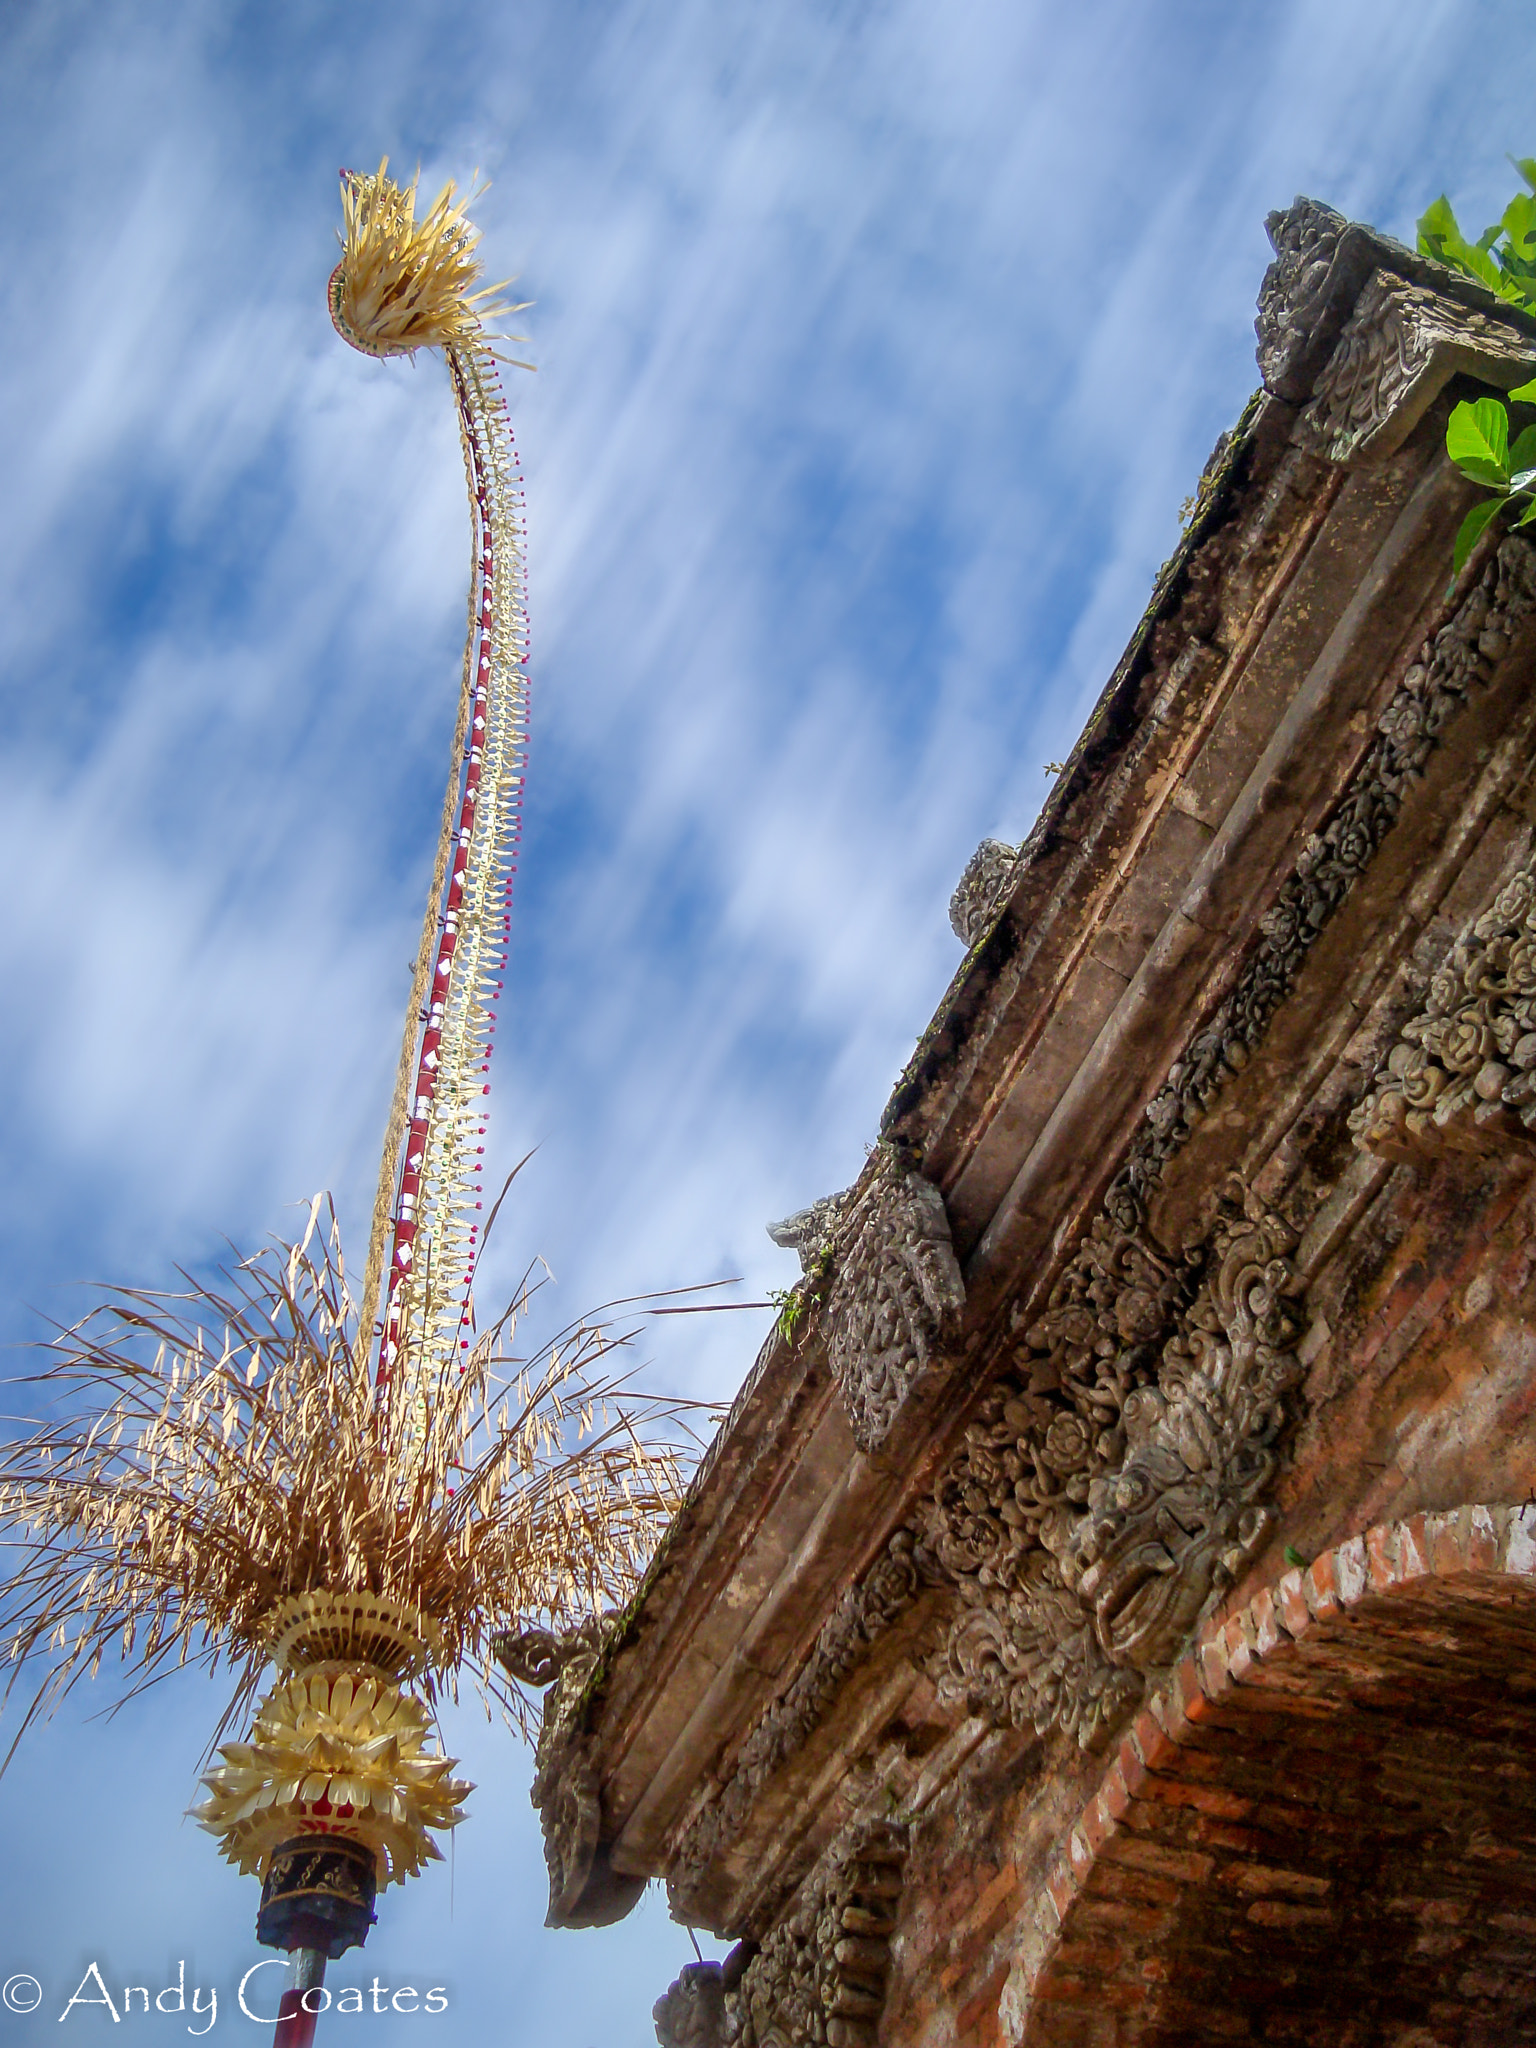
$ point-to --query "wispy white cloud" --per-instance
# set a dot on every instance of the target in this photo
(878, 345)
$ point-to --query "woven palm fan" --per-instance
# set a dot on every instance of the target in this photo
(261, 1472)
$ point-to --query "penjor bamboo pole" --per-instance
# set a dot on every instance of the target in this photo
(298, 2013)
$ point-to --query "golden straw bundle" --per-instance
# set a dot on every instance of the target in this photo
(222, 1452)
(403, 283)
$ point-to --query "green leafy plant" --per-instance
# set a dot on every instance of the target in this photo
(795, 1303)
(790, 1304)
(1504, 256)
(1477, 436)
(1477, 441)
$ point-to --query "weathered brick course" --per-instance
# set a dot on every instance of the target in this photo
(1422, 1631)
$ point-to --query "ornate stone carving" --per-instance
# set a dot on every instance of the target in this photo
(1296, 289)
(1116, 1479)
(537, 1656)
(820, 1976)
(810, 1231)
(895, 1297)
(564, 1782)
(980, 891)
(1049, 1429)
(1461, 655)
(691, 2011)
(863, 1613)
(1462, 1075)
(1025, 1657)
(583, 1892)
(1187, 1508)
(1400, 347)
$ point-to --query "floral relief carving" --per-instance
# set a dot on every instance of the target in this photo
(1117, 1478)
(1462, 1075)
(895, 1297)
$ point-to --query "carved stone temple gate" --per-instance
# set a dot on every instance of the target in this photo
(1109, 1614)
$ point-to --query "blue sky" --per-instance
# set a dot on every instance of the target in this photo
(878, 344)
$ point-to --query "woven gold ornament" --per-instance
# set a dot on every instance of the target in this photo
(337, 1749)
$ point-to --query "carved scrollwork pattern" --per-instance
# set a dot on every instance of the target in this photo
(1462, 1075)
(980, 891)
(895, 1297)
(1305, 238)
(1044, 1433)
(1459, 657)
(819, 1980)
(565, 1787)
(1399, 346)
(1117, 1478)
(1186, 1509)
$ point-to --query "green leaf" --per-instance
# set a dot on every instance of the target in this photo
(1523, 454)
(1471, 531)
(1440, 233)
(1525, 394)
(1486, 271)
(1519, 222)
(1503, 258)
(1528, 516)
(1477, 440)
(1440, 236)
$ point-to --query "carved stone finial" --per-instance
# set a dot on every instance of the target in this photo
(895, 1300)
(564, 1782)
(691, 2011)
(979, 893)
(583, 1891)
(809, 1231)
(536, 1656)
(1296, 290)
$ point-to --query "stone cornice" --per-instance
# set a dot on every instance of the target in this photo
(1230, 734)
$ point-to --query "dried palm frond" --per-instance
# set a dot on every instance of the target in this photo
(403, 283)
(222, 1453)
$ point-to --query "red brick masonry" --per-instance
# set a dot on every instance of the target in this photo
(1324, 1829)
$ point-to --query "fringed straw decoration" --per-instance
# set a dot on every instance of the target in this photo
(404, 284)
